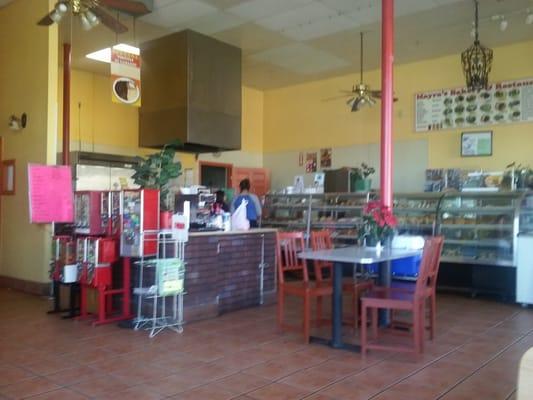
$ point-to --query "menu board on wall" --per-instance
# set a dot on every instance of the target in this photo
(50, 193)
(500, 103)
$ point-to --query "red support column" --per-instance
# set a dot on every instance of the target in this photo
(66, 103)
(387, 98)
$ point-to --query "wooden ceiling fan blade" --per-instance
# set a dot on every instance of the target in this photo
(45, 21)
(109, 21)
(132, 7)
(337, 97)
(377, 94)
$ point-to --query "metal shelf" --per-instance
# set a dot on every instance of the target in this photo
(296, 206)
(477, 261)
(478, 210)
(283, 223)
(335, 208)
(488, 227)
(334, 224)
(421, 226)
(482, 242)
(415, 209)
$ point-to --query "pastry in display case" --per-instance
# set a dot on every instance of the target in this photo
(338, 212)
(417, 212)
(480, 227)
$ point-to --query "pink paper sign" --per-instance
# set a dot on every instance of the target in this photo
(51, 196)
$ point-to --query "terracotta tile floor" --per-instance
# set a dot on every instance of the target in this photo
(242, 356)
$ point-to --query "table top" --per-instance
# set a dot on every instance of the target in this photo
(359, 255)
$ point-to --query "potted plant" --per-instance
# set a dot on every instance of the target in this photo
(155, 172)
(360, 178)
(378, 225)
(517, 177)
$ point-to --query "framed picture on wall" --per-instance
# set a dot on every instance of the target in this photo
(476, 144)
(8, 177)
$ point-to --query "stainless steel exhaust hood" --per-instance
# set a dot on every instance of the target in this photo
(191, 91)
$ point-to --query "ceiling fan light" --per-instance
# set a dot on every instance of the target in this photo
(56, 16)
(92, 18)
(61, 8)
(85, 23)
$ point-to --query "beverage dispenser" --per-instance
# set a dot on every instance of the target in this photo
(140, 223)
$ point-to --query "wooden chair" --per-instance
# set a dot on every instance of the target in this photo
(392, 299)
(430, 291)
(321, 240)
(287, 248)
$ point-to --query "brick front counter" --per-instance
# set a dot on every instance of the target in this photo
(223, 274)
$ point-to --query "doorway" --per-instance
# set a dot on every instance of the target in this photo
(215, 175)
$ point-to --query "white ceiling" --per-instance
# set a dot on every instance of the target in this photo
(291, 41)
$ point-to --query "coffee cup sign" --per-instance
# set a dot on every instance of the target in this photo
(126, 77)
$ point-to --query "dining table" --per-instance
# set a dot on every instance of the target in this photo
(353, 256)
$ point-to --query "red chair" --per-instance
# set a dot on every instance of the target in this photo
(431, 289)
(287, 248)
(392, 299)
(321, 240)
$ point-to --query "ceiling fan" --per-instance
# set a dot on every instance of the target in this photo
(91, 12)
(361, 95)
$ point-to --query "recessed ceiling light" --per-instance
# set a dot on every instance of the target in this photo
(104, 55)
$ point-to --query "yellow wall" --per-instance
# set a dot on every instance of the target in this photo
(252, 120)
(113, 127)
(300, 117)
(28, 74)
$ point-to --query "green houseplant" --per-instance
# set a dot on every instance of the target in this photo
(360, 180)
(155, 172)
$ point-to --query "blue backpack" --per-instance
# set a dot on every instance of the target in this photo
(251, 212)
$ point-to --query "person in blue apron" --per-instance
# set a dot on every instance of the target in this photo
(253, 208)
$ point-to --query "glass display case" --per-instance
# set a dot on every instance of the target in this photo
(417, 212)
(287, 211)
(339, 212)
(526, 214)
(480, 228)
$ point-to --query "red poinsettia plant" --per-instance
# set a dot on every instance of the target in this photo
(379, 223)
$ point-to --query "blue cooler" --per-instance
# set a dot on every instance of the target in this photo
(406, 267)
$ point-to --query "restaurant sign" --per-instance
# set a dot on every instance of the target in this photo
(126, 77)
(501, 103)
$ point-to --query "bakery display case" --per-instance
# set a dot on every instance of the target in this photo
(480, 227)
(417, 213)
(287, 211)
(338, 212)
(526, 214)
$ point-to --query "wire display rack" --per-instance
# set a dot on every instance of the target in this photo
(149, 288)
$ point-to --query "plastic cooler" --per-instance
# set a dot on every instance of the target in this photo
(406, 267)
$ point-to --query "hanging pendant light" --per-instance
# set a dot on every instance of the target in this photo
(476, 60)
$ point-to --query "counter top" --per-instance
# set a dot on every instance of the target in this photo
(221, 233)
